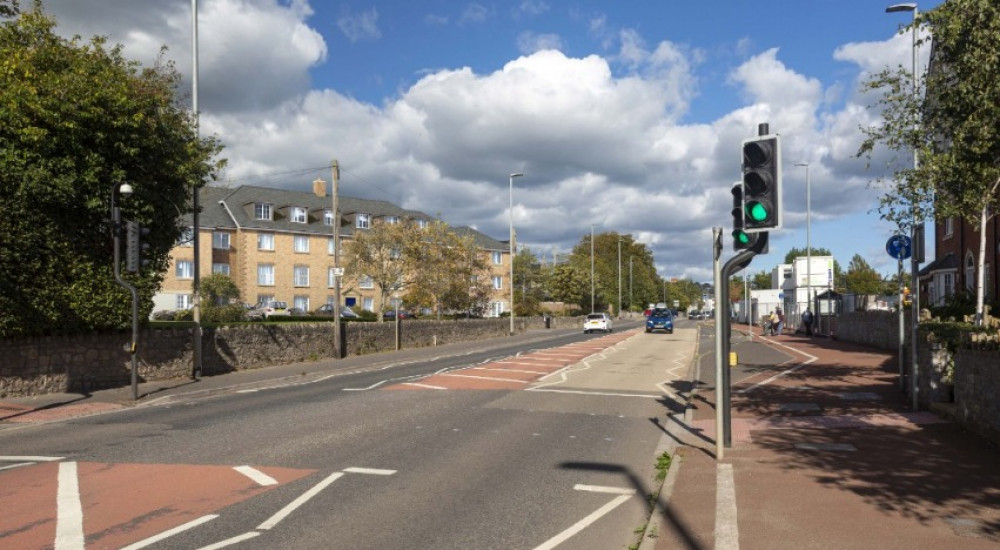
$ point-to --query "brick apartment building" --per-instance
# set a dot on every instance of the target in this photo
(278, 244)
(953, 270)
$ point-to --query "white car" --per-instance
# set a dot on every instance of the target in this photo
(597, 321)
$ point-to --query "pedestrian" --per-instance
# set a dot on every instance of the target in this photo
(781, 320)
(807, 320)
(769, 323)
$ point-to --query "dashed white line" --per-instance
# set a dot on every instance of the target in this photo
(232, 541)
(170, 532)
(604, 489)
(370, 471)
(372, 387)
(487, 378)
(256, 475)
(727, 533)
(69, 512)
(427, 386)
(31, 458)
(18, 465)
(583, 523)
(509, 370)
(292, 506)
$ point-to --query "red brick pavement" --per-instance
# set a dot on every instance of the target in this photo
(828, 455)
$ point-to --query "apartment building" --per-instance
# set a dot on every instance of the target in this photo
(953, 270)
(278, 244)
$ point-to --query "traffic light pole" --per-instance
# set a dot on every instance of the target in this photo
(116, 230)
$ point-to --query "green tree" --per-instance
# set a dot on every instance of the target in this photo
(219, 290)
(760, 280)
(569, 284)
(378, 254)
(951, 128)
(861, 278)
(447, 270)
(8, 8)
(79, 118)
(529, 288)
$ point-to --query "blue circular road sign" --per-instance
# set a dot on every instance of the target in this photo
(898, 246)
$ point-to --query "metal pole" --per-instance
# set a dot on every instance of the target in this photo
(338, 344)
(195, 222)
(902, 329)
(511, 218)
(914, 264)
(591, 268)
(630, 283)
(720, 390)
(116, 225)
(619, 277)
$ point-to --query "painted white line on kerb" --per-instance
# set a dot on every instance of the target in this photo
(727, 532)
(370, 471)
(31, 458)
(69, 512)
(487, 378)
(372, 387)
(583, 523)
(426, 386)
(604, 489)
(232, 541)
(17, 465)
(170, 532)
(784, 372)
(292, 506)
(256, 475)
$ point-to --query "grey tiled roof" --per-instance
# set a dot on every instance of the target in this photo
(232, 207)
(482, 241)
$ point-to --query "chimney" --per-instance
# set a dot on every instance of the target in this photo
(319, 188)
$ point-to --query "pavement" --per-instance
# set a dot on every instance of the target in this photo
(825, 453)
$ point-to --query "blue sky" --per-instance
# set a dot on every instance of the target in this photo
(626, 115)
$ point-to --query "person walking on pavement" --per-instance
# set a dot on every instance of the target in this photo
(781, 320)
(807, 320)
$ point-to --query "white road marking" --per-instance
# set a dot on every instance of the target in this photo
(258, 476)
(69, 512)
(604, 489)
(248, 391)
(727, 533)
(487, 378)
(509, 370)
(370, 471)
(292, 506)
(31, 458)
(601, 393)
(372, 387)
(170, 532)
(232, 541)
(18, 465)
(583, 523)
(784, 372)
(427, 386)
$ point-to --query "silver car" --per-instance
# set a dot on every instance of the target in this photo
(597, 321)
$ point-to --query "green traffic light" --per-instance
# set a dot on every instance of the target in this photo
(741, 237)
(757, 212)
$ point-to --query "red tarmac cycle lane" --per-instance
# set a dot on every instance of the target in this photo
(515, 373)
(120, 503)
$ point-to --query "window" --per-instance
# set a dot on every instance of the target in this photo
(328, 217)
(330, 246)
(330, 279)
(366, 282)
(261, 298)
(221, 269)
(949, 285)
(970, 272)
(368, 304)
(299, 215)
(220, 240)
(301, 243)
(300, 275)
(265, 274)
(301, 302)
(949, 226)
(262, 211)
(186, 237)
(185, 269)
(498, 309)
(422, 224)
(392, 219)
(183, 301)
(363, 221)
(265, 241)
(497, 282)
(497, 257)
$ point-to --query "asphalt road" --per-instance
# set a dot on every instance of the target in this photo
(549, 446)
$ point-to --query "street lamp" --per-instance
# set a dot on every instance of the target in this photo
(808, 244)
(591, 268)
(619, 277)
(124, 190)
(914, 265)
(511, 214)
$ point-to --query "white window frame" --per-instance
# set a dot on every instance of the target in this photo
(392, 219)
(221, 269)
(368, 303)
(497, 257)
(185, 269)
(299, 215)
(300, 244)
(330, 246)
(498, 282)
(300, 276)
(366, 282)
(330, 279)
(328, 217)
(183, 301)
(362, 221)
(263, 211)
(221, 240)
(186, 238)
(265, 241)
(265, 274)
(970, 271)
(422, 224)
(301, 302)
(949, 226)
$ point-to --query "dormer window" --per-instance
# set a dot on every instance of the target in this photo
(262, 211)
(363, 221)
(299, 215)
(392, 219)
(328, 217)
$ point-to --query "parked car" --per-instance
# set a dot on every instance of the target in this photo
(272, 307)
(694, 314)
(660, 319)
(327, 309)
(296, 311)
(597, 321)
(402, 313)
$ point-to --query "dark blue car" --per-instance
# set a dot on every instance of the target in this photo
(660, 319)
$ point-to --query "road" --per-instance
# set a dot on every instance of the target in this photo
(549, 447)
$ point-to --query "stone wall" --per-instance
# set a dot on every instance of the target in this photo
(977, 385)
(79, 364)
(878, 329)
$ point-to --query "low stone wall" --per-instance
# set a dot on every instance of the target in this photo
(977, 385)
(878, 329)
(84, 363)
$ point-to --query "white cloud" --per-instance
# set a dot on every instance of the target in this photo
(359, 26)
(529, 42)
(533, 7)
(474, 13)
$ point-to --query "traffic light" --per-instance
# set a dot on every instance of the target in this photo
(907, 299)
(135, 249)
(741, 239)
(761, 184)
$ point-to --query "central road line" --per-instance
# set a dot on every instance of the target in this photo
(171, 532)
(69, 512)
(292, 506)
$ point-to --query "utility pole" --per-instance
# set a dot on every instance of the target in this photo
(195, 223)
(337, 341)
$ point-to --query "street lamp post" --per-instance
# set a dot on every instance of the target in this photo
(808, 243)
(122, 189)
(619, 277)
(511, 214)
(914, 264)
(591, 268)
